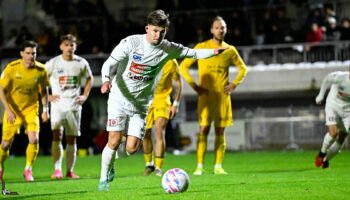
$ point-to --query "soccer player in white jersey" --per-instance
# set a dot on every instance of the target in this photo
(140, 60)
(337, 115)
(65, 72)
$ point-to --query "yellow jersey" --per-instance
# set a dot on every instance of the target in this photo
(23, 85)
(213, 72)
(165, 84)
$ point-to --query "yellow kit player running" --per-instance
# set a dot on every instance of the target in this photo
(23, 80)
(214, 101)
(158, 114)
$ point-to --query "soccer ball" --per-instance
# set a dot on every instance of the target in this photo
(175, 180)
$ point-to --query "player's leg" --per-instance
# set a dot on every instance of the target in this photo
(329, 138)
(222, 113)
(201, 148)
(32, 129)
(71, 155)
(4, 153)
(72, 128)
(147, 145)
(204, 123)
(57, 136)
(160, 144)
(57, 152)
(8, 134)
(108, 156)
(219, 149)
(334, 149)
(31, 154)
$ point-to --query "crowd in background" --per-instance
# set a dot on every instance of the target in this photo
(250, 22)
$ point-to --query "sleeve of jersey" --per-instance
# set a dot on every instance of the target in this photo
(326, 83)
(48, 67)
(5, 77)
(176, 72)
(185, 65)
(184, 52)
(242, 69)
(88, 72)
(119, 53)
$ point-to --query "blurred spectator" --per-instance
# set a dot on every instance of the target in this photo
(333, 31)
(345, 29)
(274, 36)
(23, 35)
(314, 17)
(11, 39)
(44, 40)
(314, 35)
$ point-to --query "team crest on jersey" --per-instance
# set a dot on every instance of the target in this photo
(19, 76)
(137, 57)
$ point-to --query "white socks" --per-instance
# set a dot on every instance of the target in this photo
(327, 142)
(332, 151)
(57, 154)
(71, 155)
(108, 156)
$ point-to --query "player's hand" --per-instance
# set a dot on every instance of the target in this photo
(106, 87)
(11, 117)
(53, 98)
(219, 50)
(173, 112)
(45, 117)
(200, 90)
(319, 100)
(229, 87)
(81, 99)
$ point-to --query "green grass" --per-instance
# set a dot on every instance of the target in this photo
(252, 175)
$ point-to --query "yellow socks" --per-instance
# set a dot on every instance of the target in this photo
(219, 148)
(148, 158)
(159, 162)
(3, 156)
(31, 153)
(201, 148)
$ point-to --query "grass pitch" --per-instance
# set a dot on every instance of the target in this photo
(252, 175)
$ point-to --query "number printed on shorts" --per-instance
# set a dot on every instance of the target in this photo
(331, 119)
(112, 122)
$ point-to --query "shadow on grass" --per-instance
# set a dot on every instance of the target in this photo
(46, 195)
(49, 180)
(277, 170)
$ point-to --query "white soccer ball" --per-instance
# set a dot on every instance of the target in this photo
(175, 180)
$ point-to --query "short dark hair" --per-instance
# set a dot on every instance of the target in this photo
(69, 37)
(217, 18)
(158, 18)
(28, 43)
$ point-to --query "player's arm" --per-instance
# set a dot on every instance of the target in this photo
(326, 83)
(242, 72)
(177, 95)
(49, 66)
(88, 84)
(44, 91)
(11, 117)
(4, 81)
(119, 53)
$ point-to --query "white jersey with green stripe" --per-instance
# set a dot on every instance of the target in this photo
(139, 66)
(65, 76)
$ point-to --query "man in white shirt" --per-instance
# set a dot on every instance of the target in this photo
(140, 60)
(65, 72)
(337, 115)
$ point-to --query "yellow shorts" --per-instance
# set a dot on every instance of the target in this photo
(155, 112)
(30, 121)
(215, 107)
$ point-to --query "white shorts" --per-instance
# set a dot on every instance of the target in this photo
(337, 115)
(122, 116)
(63, 119)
